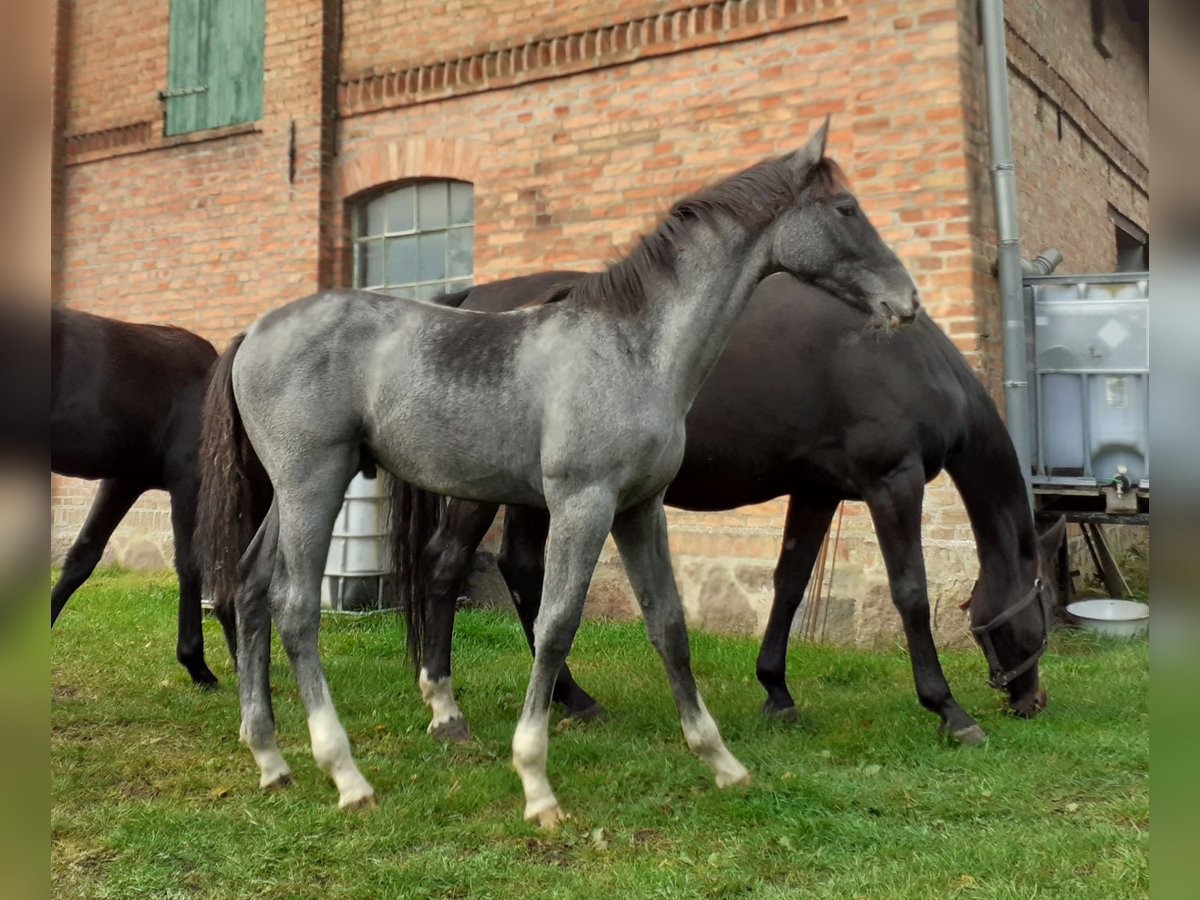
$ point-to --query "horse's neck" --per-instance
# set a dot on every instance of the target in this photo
(692, 318)
(988, 477)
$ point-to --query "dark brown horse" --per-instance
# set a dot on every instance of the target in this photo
(812, 401)
(125, 410)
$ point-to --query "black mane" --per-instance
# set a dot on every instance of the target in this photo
(753, 198)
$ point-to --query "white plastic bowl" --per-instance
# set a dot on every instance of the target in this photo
(1120, 618)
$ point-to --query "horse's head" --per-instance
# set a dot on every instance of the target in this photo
(826, 240)
(1014, 639)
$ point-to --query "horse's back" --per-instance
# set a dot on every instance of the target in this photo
(123, 395)
(350, 369)
(808, 395)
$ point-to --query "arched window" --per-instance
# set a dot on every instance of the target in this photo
(416, 240)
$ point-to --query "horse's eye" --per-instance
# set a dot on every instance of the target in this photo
(847, 210)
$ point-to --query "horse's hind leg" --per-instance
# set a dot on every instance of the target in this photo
(189, 649)
(641, 536)
(802, 537)
(579, 523)
(522, 551)
(308, 505)
(113, 501)
(257, 729)
(895, 505)
(448, 560)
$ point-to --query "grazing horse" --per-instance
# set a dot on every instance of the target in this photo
(810, 400)
(125, 410)
(575, 406)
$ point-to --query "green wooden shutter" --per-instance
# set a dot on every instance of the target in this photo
(187, 52)
(215, 64)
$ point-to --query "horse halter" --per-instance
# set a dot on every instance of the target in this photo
(999, 676)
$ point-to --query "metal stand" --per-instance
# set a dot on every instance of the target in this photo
(1106, 564)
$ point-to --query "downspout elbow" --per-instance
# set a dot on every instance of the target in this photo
(1043, 264)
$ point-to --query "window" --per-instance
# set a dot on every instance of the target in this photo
(417, 240)
(1133, 244)
(214, 64)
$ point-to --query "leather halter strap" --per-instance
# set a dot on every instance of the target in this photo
(1001, 677)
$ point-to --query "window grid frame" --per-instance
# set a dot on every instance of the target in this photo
(447, 283)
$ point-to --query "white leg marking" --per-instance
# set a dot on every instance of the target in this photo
(331, 750)
(529, 759)
(705, 740)
(274, 770)
(439, 695)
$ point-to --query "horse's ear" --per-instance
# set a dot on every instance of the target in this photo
(801, 161)
(1050, 539)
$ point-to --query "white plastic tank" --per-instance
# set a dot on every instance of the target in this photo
(358, 570)
(1092, 366)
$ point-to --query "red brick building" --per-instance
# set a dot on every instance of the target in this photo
(215, 160)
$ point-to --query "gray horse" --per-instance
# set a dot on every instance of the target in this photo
(576, 407)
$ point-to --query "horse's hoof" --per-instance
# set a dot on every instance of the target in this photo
(1030, 705)
(277, 782)
(733, 779)
(452, 731)
(547, 819)
(204, 679)
(781, 714)
(971, 735)
(365, 801)
(593, 713)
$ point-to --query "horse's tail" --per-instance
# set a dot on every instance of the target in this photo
(415, 514)
(235, 492)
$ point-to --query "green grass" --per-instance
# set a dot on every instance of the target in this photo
(153, 796)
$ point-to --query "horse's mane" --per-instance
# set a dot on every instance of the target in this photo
(753, 198)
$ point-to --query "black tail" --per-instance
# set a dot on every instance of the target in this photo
(415, 514)
(235, 492)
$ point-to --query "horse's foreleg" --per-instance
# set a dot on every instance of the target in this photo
(189, 648)
(522, 551)
(578, 525)
(803, 533)
(895, 505)
(448, 561)
(253, 619)
(113, 501)
(641, 536)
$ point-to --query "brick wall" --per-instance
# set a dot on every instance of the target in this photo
(206, 230)
(578, 123)
(1080, 143)
(572, 161)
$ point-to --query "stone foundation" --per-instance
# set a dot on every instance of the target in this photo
(724, 564)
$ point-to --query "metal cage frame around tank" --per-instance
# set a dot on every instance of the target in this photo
(1119, 298)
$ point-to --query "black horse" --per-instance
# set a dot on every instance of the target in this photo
(125, 409)
(810, 401)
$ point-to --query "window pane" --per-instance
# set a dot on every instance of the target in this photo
(462, 285)
(431, 205)
(401, 209)
(428, 291)
(407, 291)
(401, 260)
(370, 219)
(462, 204)
(461, 246)
(432, 252)
(370, 264)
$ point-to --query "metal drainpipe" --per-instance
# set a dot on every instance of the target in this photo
(1016, 388)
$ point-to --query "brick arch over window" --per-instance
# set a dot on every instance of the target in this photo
(449, 158)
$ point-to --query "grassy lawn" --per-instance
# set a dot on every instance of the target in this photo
(152, 795)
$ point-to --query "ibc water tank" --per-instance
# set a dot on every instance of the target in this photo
(1091, 336)
(357, 570)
